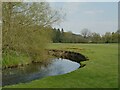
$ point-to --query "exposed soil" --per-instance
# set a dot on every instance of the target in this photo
(73, 56)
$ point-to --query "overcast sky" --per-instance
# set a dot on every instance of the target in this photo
(98, 17)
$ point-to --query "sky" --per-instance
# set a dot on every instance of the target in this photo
(99, 17)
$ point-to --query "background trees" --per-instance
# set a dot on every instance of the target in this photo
(96, 38)
(59, 36)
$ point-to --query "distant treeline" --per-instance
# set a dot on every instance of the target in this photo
(59, 36)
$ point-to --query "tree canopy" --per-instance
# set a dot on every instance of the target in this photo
(24, 27)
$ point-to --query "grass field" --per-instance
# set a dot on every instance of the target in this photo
(101, 71)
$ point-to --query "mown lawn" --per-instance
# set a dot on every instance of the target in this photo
(101, 71)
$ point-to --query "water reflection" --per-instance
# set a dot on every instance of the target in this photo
(37, 71)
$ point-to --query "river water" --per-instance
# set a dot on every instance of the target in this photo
(37, 71)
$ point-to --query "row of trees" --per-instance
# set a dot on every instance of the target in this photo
(108, 37)
(59, 36)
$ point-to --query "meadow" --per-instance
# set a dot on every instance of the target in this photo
(101, 71)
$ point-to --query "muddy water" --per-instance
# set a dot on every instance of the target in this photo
(37, 71)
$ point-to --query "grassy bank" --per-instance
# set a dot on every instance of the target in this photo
(14, 58)
(101, 71)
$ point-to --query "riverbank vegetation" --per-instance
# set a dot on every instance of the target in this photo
(26, 31)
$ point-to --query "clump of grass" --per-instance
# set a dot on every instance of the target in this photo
(14, 58)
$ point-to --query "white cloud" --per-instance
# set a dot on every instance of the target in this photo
(65, 0)
(34, 0)
(94, 26)
(71, 8)
(73, 0)
(94, 12)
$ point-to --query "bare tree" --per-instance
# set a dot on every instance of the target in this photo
(85, 33)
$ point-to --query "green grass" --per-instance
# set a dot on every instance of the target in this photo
(13, 58)
(101, 71)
